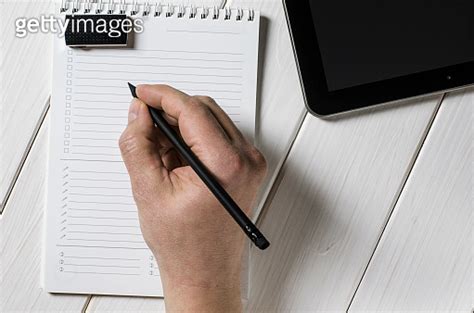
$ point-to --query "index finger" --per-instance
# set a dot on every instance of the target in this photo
(170, 100)
(197, 124)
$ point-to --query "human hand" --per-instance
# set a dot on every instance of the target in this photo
(198, 246)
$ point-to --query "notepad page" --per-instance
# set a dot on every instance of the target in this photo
(93, 239)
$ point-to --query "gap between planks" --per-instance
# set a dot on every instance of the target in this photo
(86, 303)
(278, 176)
(399, 193)
(25, 155)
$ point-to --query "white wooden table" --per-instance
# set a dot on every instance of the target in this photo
(368, 212)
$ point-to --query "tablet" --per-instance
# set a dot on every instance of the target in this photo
(354, 54)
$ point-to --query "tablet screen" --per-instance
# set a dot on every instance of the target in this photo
(372, 40)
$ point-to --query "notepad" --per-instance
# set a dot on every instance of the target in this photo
(93, 242)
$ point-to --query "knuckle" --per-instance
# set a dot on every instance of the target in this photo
(257, 156)
(258, 159)
(207, 99)
(243, 164)
(238, 163)
(128, 143)
(198, 107)
(234, 165)
(195, 101)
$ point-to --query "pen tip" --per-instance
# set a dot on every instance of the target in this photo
(133, 90)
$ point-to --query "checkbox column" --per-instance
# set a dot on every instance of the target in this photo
(68, 100)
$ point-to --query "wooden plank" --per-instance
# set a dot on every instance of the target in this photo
(21, 228)
(424, 259)
(26, 71)
(338, 186)
(280, 107)
(126, 304)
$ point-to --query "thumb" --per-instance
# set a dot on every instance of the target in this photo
(140, 152)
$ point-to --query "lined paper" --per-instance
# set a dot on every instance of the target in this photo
(93, 238)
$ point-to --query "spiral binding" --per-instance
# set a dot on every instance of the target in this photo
(145, 9)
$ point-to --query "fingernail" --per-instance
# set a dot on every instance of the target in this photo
(133, 110)
(139, 87)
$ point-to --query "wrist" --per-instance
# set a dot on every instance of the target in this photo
(196, 299)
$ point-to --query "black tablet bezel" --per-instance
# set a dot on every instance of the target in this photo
(322, 102)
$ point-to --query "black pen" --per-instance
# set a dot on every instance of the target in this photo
(224, 198)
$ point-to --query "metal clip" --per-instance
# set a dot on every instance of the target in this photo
(181, 11)
(251, 15)
(100, 7)
(122, 7)
(215, 13)
(158, 9)
(204, 12)
(227, 14)
(169, 11)
(146, 9)
(64, 6)
(75, 6)
(111, 7)
(192, 12)
(87, 7)
(135, 8)
(240, 14)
